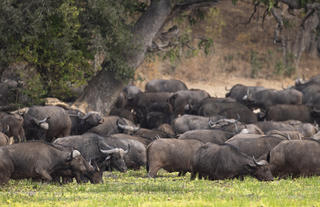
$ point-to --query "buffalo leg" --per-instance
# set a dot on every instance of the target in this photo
(193, 175)
(44, 174)
(153, 172)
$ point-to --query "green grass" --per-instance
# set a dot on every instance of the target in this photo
(135, 189)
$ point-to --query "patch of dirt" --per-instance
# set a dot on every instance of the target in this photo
(240, 52)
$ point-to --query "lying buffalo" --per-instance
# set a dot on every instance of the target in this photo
(295, 158)
(172, 155)
(217, 162)
(38, 160)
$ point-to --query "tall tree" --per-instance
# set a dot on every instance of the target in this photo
(104, 88)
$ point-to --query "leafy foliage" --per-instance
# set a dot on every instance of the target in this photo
(61, 38)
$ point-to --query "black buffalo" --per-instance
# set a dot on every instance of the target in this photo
(191, 122)
(38, 160)
(217, 162)
(160, 85)
(173, 155)
(295, 158)
(229, 109)
(94, 148)
(207, 135)
(46, 123)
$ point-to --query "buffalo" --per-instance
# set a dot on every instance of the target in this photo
(182, 101)
(94, 148)
(46, 123)
(191, 122)
(218, 162)
(161, 85)
(207, 135)
(295, 158)
(38, 160)
(173, 155)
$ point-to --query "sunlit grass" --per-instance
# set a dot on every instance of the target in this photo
(135, 189)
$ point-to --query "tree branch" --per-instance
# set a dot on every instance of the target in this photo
(185, 6)
(256, 4)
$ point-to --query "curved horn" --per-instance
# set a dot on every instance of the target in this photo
(259, 163)
(128, 149)
(44, 120)
(75, 153)
(109, 151)
(225, 87)
(127, 127)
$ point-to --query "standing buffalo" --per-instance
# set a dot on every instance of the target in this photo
(295, 158)
(284, 112)
(229, 109)
(255, 146)
(160, 85)
(266, 98)
(217, 162)
(37, 160)
(173, 155)
(239, 91)
(46, 123)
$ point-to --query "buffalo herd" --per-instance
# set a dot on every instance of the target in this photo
(252, 131)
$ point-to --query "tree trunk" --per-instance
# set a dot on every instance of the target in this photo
(103, 89)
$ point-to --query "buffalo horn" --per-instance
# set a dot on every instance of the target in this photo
(225, 87)
(75, 153)
(128, 149)
(127, 127)
(44, 120)
(109, 151)
(259, 163)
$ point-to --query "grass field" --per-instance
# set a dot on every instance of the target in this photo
(135, 189)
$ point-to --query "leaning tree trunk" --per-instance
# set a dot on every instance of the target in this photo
(103, 89)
